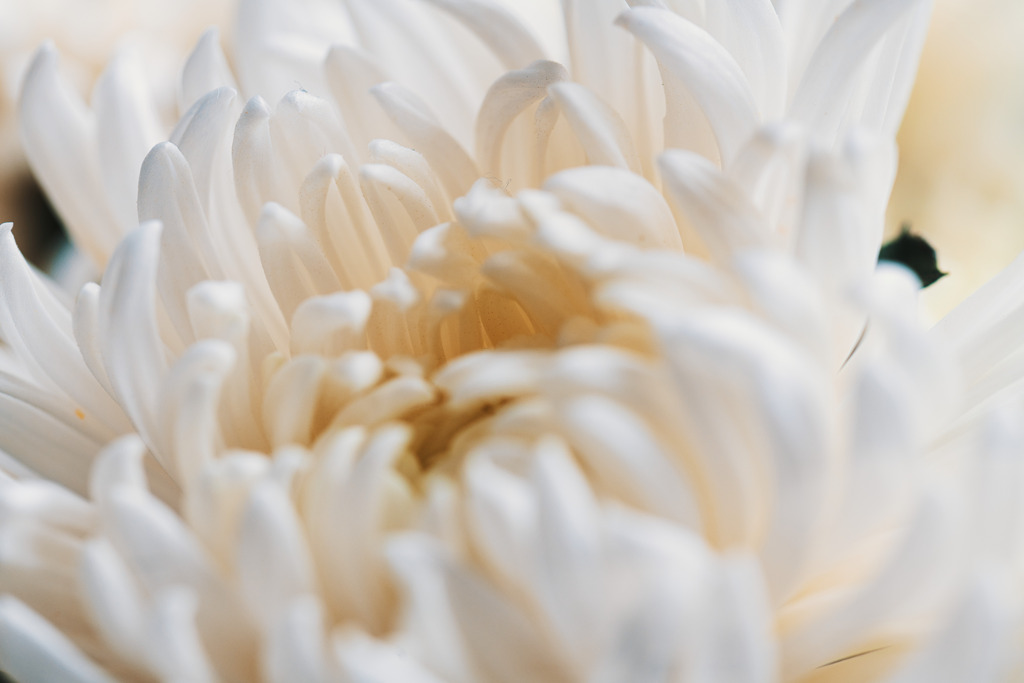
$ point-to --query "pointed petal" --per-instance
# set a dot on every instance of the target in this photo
(598, 127)
(58, 134)
(128, 126)
(205, 69)
(696, 63)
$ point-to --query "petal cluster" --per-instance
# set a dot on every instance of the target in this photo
(464, 362)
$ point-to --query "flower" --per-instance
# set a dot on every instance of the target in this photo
(353, 401)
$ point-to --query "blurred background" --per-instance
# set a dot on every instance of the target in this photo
(961, 174)
(961, 178)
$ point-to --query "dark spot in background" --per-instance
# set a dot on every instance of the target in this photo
(914, 252)
(37, 229)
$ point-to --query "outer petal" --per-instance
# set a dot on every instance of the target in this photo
(694, 62)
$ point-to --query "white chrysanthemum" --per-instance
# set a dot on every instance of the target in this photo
(425, 387)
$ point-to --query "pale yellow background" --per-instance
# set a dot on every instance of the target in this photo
(961, 179)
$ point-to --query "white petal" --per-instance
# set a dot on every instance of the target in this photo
(388, 401)
(189, 402)
(167, 193)
(612, 65)
(914, 578)
(751, 32)
(547, 294)
(88, 336)
(205, 69)
(401, 208)
(372, 661)
(295, 650)
(716, 208)
(412, 164)
(497, 28)
(617, 204)
(175, 649)
(37, 564)
(38, 328)
(330, 325)
(428, 613)
(119, 464)
(487, 210)
(351, 76)
(334, 208)
(291, 401)
(511, 95)
(446, 157)
(133, 352)
(279, 46)
(826, 87)
(598, 127)
(128, 126)
(570, 547)
(153, 541)
(489, 376)
(627, 460)
(33, 651)
(220, 310)
(835, 232)
(272, 556)
(58, 136)
(771, 169)
(46, 502)
(696, 63)
(303, 129)
(741, 643)
(785, 295)
(295, 267)
(126, 463)
(202, 135)
(47, 445)
(417, 47)
(447, 253)
(258, 178)
(162, 554)
(367, 493)
(112, 596)
(727, 360)
(501, 521)
(500, 641)
(976, 642)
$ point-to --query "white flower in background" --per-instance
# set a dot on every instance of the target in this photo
(88, 34)
(415, 368)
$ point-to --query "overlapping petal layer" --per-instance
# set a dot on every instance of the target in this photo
(531, 398)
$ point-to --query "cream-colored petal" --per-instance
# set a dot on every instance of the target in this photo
(695, 63)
